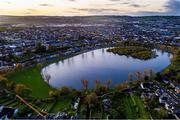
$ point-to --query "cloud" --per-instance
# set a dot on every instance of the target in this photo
(7, 2)
(31, 10)
(121, 1)
(69, 11)
(127, 2)
(112, 4)
(173, 7)
(100, 11)
(116, 0)
(135, 5)
(96, 9)
(45, 5)
(72, 0)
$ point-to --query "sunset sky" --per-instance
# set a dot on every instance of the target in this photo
(89, 7)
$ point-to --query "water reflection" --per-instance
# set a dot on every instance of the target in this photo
(101, 65)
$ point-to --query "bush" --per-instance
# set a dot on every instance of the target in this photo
(122, 86)
(64, 90)
(53, 93)
(100, 89)
(3, 82)
(22, 90)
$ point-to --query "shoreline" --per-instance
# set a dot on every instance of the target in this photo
(158, 52)
(31, 76)
(20, 78)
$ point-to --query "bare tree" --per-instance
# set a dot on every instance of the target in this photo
(47, 77)
(108, 83)
(97, 82)
(85, 84)
(145, 73)
(130, 79)
(151, 72)
(92, 102)
(139, 75)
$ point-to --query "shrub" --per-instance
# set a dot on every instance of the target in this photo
(22, 90)
(64, 90)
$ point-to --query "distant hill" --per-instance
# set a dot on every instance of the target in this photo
(76, 19)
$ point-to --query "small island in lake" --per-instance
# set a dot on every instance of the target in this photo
(138, 52)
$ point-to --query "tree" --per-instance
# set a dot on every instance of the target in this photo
(64, 90)
(151, 72)
(122, 86)
(22, 90)
(108, 83)
(54, 94)
(47, 77)
(146, 73)
(158, 77)
(28, 51)
(40, 48)
(139, 75)
(162, 113)
(52, 48)
(100, 89)
(18, 66)
(11, 85)
(146, 78)
(23, 110)
(91, 101)
(97, 82)
(130, 79)
(3, 82)
(85, 84)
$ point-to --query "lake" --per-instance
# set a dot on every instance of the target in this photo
(100, 65)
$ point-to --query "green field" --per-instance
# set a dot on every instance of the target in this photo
(31, 77)
(134, 107)
(129, 106)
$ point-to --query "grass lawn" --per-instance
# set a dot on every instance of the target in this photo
(31, 77)
(134, 107)
(128, 106)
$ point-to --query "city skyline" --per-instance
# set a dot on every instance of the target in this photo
(89, 7)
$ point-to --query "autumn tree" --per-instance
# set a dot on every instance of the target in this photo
(97, 82)
(138, 75)
(91, 101)
(54, 94)
(100, 89)
(85, 84)
(64, 90)
(122, 86)
(130, 79)
(22, 90)
(3, 82)
(19, 66)
(108, 83)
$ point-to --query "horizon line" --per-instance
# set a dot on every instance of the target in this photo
(90, 15)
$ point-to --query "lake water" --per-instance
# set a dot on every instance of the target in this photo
(102, 65)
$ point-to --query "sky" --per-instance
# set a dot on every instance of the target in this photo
(89, 7)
